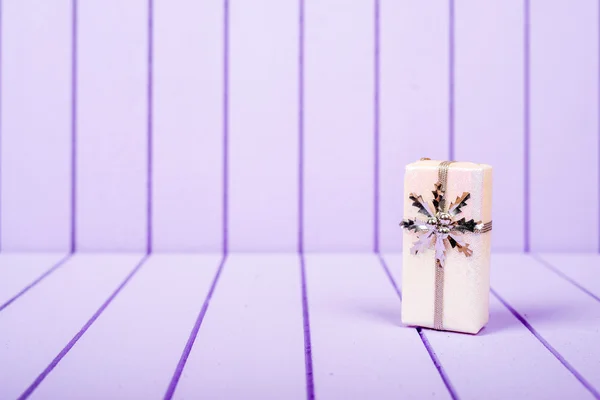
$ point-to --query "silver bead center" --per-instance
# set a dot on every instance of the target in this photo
(441, 223)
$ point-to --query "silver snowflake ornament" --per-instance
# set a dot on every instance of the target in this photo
(442, 229)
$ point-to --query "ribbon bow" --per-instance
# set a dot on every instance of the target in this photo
(442, 228)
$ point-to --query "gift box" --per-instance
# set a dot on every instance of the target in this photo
(447, 242)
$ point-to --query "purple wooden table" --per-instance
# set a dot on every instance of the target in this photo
(127, 326)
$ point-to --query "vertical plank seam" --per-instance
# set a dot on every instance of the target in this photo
(73, 126)
(308, 364)
(376, 126)
(149, 121)
(81, 332)
(36, 281)
(434, 358)
(451, 82)
(194, 333)
(225, 205)
(564, 276)
(526, 123)
(547, 345)
(300, 126)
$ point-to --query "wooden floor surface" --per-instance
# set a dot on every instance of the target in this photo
(285, 326)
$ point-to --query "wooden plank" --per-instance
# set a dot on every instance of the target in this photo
(564, 107)
(132, 350)
(112, 125)
(188, 126)
(583, 270)
(252, 333)
(39, 325)
(338, 125)
(263, 125)
(359, 349)
(36, 125)
(413, 100)
(489, 98)
(18, 270)
(564, 316)
(504, 360)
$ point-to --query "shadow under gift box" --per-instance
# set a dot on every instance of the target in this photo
(466, 280)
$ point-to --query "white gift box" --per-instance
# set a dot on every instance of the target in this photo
(446, 260)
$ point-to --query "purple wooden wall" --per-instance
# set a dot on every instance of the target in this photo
(283, 125)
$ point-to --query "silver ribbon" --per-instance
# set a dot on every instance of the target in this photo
(438, 303)
(440, 230)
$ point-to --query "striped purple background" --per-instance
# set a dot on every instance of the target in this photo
(284, 125)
